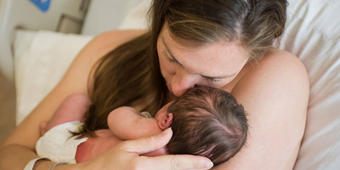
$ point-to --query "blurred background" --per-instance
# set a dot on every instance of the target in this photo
(7, 107)
(23, 63)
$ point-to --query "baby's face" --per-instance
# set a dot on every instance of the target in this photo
(160, 115)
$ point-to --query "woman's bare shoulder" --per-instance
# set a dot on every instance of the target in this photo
(277, 66)
(99, 46)
(274, 93)
(281, 61)
(107, 41)
(280, 77)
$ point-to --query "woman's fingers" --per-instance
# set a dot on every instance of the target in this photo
(167, 162)
(127, 156)
(148, 144)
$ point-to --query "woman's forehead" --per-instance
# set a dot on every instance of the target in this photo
(217, 59)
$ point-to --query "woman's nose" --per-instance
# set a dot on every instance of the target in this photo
(180, 83)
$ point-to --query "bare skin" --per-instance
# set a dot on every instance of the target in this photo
(134, 126)
(274, 92)
(18, 149)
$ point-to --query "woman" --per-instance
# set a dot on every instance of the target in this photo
(225, 44)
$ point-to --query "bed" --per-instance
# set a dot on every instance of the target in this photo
(41, 57)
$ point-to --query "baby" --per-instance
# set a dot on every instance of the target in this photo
(205, 121)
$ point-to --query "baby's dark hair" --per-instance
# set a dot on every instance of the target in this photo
(207, 122)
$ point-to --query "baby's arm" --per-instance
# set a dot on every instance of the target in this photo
(127, 124)
(73, 108)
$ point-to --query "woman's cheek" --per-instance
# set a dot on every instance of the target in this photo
(166, 68)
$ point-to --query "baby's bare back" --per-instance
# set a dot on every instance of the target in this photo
(94, 146)
(104, 141)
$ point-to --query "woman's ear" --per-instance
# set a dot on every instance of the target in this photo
(166, 122)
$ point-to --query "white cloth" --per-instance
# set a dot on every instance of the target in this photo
(31, 163)
(146, 114)
(58, 144)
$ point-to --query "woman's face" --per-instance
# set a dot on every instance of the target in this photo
(213, 65)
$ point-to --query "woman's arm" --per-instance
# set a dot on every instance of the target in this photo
(275, 95)
(18, 148)
(74, 81)
(134, 125)
(126, 156)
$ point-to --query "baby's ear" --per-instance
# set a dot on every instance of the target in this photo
(168, 120)
(166, 123)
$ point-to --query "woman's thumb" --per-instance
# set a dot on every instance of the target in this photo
(149, 144)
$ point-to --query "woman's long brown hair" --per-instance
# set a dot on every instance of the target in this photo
(130, 74)
(124, 77)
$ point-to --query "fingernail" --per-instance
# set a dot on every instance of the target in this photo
(166, 131)
(209, 165)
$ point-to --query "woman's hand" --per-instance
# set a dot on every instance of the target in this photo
(126, 156)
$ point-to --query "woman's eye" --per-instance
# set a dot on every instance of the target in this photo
(170, 59)
(213, 80)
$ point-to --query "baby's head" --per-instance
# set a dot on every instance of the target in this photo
(207, 122)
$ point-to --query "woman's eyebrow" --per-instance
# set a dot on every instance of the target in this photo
(208, 77)
(168, 49)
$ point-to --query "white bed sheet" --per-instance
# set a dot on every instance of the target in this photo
(312, 34)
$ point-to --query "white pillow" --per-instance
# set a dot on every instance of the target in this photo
(41, 59)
